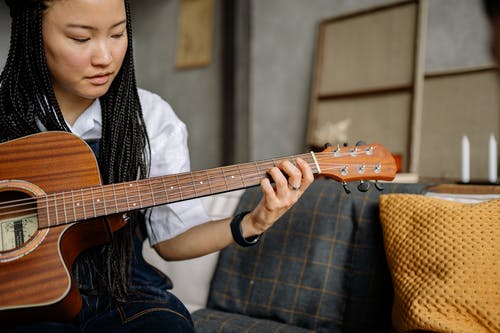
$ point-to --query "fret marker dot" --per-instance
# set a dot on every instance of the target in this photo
(232, 177)
(134, 204)
(171, 187)
(201, 182)
(78, 204)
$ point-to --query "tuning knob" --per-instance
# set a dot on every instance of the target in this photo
(328, 144)
(360, 143)
(363, 186)
(379, 186)
(346, 188)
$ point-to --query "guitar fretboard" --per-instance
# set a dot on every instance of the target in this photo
(82, 204)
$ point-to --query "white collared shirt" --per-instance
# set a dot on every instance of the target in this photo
(169, 155)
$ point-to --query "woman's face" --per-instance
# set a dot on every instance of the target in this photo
(85, 42)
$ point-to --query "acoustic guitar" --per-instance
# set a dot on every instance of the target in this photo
(53, 206)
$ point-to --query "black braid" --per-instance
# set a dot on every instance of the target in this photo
(26, 94)
(491, 8)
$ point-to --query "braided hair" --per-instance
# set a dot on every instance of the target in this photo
(491, 8)
(26, 94)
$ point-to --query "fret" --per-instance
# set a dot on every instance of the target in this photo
(126, 196)
(160, 191)
(233, 179)
(144, 193)
(180, 189)
(85, 205)
(45, 212)
(187, 186)
(227, 176)
(217, 180)
(250, 174)
(49, 210)
(193, 184)
(152, 192)
(138, 194)
(73, 205)
(113, 187)
(132, 195)
(165, 189)
(92, 201)
(103, 200)
(224, 177)
(209, 182)
(55, 208)
(173, 187)
(64, 207)
(82, 205)
(121, 199)
(242, 178)
(200, 184)
(257, 166)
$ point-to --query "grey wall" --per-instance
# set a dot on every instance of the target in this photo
(280, 64)
(193, 93)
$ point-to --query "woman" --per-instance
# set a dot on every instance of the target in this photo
(70, 68)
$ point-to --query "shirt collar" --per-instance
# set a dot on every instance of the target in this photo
(88, 125)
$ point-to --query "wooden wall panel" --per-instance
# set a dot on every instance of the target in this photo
(383, 119)
(458, 103)
(366, 70)
(369, 51)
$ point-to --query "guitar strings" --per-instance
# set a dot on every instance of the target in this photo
(183, 190)
(187, 188)
(190, 183)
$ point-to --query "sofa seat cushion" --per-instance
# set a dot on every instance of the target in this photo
(444, 258)
(209, 321)
(320, 267)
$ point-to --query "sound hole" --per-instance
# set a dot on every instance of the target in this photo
(18, 220)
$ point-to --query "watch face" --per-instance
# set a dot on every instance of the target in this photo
(16, 231)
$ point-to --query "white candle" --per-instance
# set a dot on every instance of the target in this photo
(465, 159)
(492, 159)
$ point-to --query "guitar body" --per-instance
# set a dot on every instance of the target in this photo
(35, 267)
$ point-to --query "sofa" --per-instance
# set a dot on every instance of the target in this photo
(375, 261)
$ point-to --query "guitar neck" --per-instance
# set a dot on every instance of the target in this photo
(82, 204)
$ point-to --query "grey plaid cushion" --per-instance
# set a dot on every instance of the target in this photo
(210, 321)
(321, 267)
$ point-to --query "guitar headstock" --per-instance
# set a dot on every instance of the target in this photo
(351, 163)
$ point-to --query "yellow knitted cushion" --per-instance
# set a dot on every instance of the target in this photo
(444, 259)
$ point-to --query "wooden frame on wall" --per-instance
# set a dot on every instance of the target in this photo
(370, 62)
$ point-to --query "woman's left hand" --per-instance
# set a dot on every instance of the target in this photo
(290, 182)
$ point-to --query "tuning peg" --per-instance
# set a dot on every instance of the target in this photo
(345, 144)
(363, 186)
(379, 186)
(360, 143)
(346, 188)
(328, 144)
